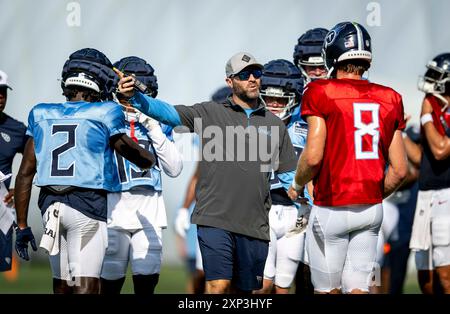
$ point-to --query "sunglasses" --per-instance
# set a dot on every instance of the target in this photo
(245, 75)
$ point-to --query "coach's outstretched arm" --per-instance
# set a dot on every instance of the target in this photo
(157, 109)
(22, 194)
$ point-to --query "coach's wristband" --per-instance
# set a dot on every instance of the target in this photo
(426, 118)
(295, 186)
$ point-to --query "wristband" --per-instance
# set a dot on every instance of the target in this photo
(295, 186)
(426, 118)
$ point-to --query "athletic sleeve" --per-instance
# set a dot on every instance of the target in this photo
(168, 155)
(155, 108)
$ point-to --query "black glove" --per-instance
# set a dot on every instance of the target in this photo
(23, 236)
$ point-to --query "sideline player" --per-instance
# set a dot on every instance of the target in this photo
(354, 130)
(308, 58)
(281, 90)
(308, 54)
(12, 141)
(71, 149)
(431, 229)
(137, 214)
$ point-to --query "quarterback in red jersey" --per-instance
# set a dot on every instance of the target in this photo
(354, 134)
(431, 229)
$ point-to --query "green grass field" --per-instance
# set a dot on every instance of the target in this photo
(36, 278)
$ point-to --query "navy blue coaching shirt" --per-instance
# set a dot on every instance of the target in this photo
(12, 141)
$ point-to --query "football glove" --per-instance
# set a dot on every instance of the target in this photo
(23, 236)
(300, 224)
(182, 222)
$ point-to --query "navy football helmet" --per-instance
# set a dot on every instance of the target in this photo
(143, 71)
(308, 51)
(282, 79)
(346, 41)
(91, 69)
(437, 77)
(221, 94)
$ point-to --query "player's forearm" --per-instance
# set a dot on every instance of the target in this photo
(307, 169)
(126, 147)
(286, 178)
(168, 154)
(22, 194)
(413, 151)
(439, 144)
(392, 181)
(157, 109)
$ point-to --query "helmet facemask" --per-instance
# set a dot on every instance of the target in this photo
(435, 80)
(315, 61)
(284, 98)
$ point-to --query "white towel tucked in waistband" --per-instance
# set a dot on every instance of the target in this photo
(421, 231)
(50, 238)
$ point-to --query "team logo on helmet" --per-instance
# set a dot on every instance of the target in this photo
(330, 38)
(346, 41)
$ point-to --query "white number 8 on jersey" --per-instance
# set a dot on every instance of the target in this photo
(363, 129)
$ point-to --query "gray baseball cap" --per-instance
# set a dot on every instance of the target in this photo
(240, 61)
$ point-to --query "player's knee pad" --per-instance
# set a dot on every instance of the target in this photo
(113, 242)
(284, 280)
(286, 270)
(360, 277)
(151, 264)
(146, 252)
(325, 282)
(269, 272)
(440, 231)
(115, 261)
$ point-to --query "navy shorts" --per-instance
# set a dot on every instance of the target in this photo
(232, 256)
(6, 250)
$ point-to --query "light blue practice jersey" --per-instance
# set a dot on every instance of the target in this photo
(298, 130)
(129, 174)
(71, 142)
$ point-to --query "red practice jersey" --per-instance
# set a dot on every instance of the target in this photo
(439, 117)
(361, 119)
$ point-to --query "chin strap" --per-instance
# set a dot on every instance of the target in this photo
(443, 99)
